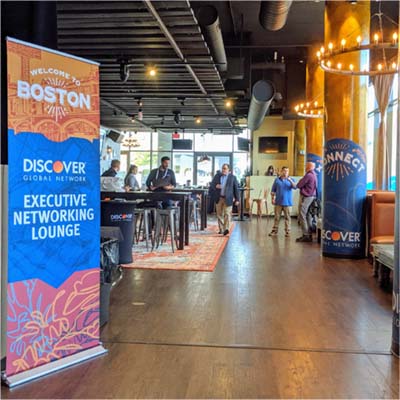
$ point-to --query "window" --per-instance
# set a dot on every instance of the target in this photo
(183, 167)
(391, 127)
(209, 143)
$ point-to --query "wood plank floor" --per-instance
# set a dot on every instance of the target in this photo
(274, 320)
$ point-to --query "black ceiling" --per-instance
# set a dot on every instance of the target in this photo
(167, 34)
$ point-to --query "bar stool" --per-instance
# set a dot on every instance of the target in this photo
(194, 213)
(166, 221)
(143, 215)
(260, 201)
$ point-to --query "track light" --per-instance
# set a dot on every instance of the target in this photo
(177, 117)
(124, 71)
(197, 120)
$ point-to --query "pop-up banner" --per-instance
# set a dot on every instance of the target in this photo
(345, 178)
(53, 211)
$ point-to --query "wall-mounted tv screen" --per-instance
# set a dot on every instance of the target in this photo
(243, 144)
(182, 144)
(272, 144)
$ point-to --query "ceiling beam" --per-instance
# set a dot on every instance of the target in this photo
(178, 51)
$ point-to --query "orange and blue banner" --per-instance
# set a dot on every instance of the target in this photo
(53, 206)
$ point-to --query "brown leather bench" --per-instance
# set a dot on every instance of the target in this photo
(381, 221)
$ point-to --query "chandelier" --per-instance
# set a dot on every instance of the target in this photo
(130, 141)
(310, 109)
(330, 59)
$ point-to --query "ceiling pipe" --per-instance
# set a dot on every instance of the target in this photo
(263, 94)
(177, 49)
(273, 14)
(209, 21)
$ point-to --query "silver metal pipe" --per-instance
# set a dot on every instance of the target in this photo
(208, 19)
(273, 14)
(262, 95)
(177, 49)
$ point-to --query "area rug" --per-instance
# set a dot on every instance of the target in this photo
(202, 254)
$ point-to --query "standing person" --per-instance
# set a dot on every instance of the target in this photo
(281, 193)
(308, 192)
(130, 181)
(113, 170)
(162, 179)
(270, 171)
(226, 190)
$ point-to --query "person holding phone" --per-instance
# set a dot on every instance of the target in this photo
(282, 199)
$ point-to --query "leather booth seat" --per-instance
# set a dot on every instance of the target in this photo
(381, 218)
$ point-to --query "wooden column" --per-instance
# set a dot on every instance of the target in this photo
(299, 147)
(315, 126)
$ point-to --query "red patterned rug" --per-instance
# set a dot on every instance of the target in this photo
(202, 254)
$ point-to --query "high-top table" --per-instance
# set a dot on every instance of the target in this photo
(203, 203)
(120, 214)
(181, 197)
(241, 192)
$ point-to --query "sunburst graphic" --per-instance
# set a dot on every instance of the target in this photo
(58, 112)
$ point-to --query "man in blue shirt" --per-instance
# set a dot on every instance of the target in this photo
(281, 193)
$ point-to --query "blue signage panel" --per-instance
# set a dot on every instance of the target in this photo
(345, 177)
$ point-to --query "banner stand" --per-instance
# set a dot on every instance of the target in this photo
(54, 366)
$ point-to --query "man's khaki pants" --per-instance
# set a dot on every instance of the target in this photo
(286, 213)
(224, 214)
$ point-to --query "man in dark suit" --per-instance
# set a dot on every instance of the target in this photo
(226, 193)
(113, 170)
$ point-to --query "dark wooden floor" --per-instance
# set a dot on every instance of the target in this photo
(274, 320)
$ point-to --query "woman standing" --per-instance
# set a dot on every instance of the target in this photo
(130, 181)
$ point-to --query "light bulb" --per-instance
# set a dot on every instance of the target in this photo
(329, 64)
(330, 46)
(307, 105)
(152, 71)
(296, 108)
(379, 67)
(301, 105)
(312, 112)
(395, 37)
(315, 103)
(343, 43)
(394, 65)
(376, 38)
(359, 40)
(351, 66)
(322, 50)
(228, 104)
(339, 66)
(318, 54)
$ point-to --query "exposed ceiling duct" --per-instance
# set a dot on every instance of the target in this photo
(262, 96)
(273, 14)
(209, 21)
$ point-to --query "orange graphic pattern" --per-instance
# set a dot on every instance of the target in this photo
(54, 121)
